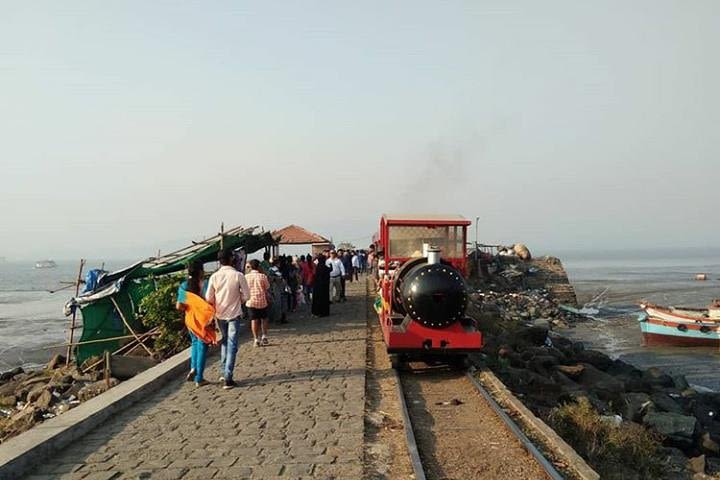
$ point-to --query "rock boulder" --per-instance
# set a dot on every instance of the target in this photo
(708, 444)
(572, 371)
(603, 385)
(671, 424)
(44, 401)
(522, 251)
(680, 382)
(697, 464)
(635, 406)
(596, 359)
(94, 389)
(666, 403)
(657, 379)
(531, 336)
(56, 361)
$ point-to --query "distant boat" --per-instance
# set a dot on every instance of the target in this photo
(681, 326)
(45, 264)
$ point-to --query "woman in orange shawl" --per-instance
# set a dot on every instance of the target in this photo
(198, 319)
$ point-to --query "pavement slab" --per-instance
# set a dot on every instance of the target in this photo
(297, 413)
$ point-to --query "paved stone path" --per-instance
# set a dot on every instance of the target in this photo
(298, 413)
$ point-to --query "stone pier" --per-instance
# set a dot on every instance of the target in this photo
(297, 413)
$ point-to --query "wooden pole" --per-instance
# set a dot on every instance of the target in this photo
(74, 314)
(107, 369)
(127, 325)
(222, 236)
(62, 288)
(477, 249)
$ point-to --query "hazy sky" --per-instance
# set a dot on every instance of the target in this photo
(131, 126)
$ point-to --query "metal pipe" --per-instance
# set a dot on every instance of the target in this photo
(433, 256)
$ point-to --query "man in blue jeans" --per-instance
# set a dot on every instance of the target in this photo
(227, 292)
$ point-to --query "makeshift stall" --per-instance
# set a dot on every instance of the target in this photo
(111, 321)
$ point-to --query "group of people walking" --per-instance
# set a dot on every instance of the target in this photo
(270, 289)
(229, 296)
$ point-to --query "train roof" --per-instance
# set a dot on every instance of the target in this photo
(425, 217)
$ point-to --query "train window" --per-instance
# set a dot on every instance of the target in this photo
(406, 241)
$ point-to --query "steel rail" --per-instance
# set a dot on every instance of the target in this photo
(417, 465)
(519, 434)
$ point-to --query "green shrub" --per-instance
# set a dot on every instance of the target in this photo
(158, 310)
(610, 449)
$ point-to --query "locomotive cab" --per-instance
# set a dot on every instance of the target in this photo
(423, 290)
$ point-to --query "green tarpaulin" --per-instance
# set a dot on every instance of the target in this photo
(125, 289)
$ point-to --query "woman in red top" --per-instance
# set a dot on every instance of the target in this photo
(308, 276)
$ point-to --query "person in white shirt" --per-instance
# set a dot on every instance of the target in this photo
(337, 272)
(356, 265)
(227, 291)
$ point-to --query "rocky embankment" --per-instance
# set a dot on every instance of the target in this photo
(628, 423)
(27, 398)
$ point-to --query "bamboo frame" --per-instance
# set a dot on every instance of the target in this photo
(135, 344)
(143, 336)
(62, 288)
(149, 333)
(74, 314)
(167, 258)
(127, 325)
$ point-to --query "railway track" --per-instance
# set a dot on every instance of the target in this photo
(454, 429)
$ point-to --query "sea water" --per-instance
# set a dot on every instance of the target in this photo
(615, 283)
(31, 317)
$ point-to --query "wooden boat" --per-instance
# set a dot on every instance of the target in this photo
(681, 326)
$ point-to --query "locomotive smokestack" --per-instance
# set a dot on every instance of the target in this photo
(433, 255)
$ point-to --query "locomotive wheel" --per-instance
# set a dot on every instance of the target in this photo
(459, 362)
(398, 361)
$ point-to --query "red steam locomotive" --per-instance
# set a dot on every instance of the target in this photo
(422, 290)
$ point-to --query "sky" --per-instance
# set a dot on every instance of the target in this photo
(127, 127)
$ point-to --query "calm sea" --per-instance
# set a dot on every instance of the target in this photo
(31, 318)
(615, 282)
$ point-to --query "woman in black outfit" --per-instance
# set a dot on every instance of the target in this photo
(321, 289)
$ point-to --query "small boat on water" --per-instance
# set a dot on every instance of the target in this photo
(45, 264)
(681, 326)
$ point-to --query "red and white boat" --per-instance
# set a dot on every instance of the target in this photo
(681, 326)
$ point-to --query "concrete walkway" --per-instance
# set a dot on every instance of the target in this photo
(298, 413)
